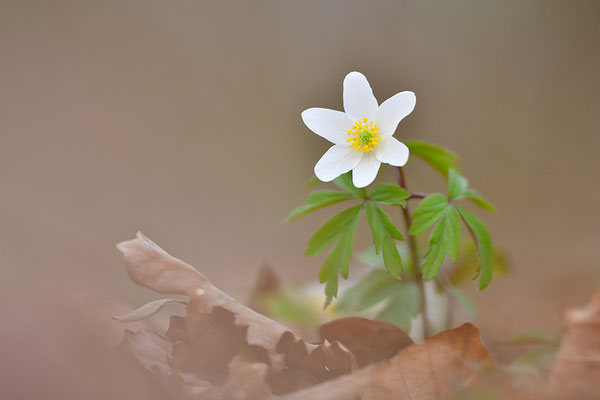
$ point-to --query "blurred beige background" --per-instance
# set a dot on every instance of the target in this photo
(182, 119)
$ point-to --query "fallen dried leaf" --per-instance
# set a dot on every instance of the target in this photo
(370, 341)
(217, 329)
(447, 362)
(146, 311)
(576, 369)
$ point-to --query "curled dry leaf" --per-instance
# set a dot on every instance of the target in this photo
(217, 329)
(445, 363)
(576, 370)
(146, 311)
(370, 341)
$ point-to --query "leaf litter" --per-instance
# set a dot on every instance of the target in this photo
(222, 349)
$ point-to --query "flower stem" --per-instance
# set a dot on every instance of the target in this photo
(414, 255)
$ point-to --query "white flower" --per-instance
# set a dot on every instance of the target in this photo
(362, 135)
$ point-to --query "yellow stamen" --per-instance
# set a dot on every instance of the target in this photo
(364, 136)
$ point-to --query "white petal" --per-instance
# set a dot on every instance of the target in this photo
(329, 124)
(338, 160)
(393, 110)
(366, 170)
(391, 151)
(359, 101)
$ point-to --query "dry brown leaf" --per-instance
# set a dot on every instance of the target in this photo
(267, 282)
(370, 341)
(217, 329)
(576, 370)
(146, 311)
(445, 363)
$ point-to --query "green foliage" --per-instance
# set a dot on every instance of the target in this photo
(344, 182)
(316, 200)
(389, 194)
(342, 226)
(332, 230)
(458, 189)
(440, 159)
(400, 300)
(444, 239)
(430, 209)
(531, 363)
(468, 261)
(384, 235)
(286, 306)
(483, 239)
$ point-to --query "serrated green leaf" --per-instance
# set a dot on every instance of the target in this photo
(388, 225)
(344, 182)
(484, 244)
(479, 201)
(378, 231)
(457, 184)
(468, 262)
(368, 292)
(444, 239)
(392, 195)
(402, 306)
(338, 261)
(429, 210)
(440, 159)
(333, 229)
(391, 257)
(316, 200)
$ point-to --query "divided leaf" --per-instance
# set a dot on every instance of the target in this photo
(338, 261)
(437, 157)
(389, 194)
(429, 210)
(458, 189)
(444, 239)
(344, 182)
(333, 229)
(401, 299)
(484, 244)
(384, 232)
(316, 200)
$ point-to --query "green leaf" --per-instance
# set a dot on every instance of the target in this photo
(479, 201)
(468, 262)
(289, 307)
(463, 299)
(428, 211)
(389, 194)
(536, 336)
(344, 182)
(333, 229)
(368, 292)
(391, 257)
(388, 225)
(316, 200)
(401, 299)
(338, 261)
(457, 184)
(378, 231)
(458, 189)
(444, 239)
(532, 363)
(437, 157)
(402, 306)
(484, 244)
(381, 225)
